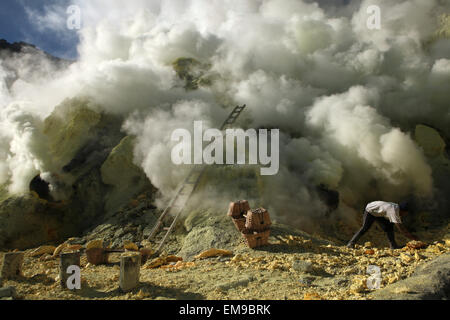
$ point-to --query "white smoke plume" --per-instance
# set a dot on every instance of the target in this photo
(345, 98)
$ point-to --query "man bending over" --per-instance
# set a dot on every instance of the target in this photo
(387, 214)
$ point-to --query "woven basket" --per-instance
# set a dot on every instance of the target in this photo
(97, 256)
(145, 255)
(238, 209)
(256, 239)
(258, 220)
(240, 224)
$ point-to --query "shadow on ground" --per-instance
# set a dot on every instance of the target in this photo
(149, 291)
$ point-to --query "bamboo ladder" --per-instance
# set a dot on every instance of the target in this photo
(185, 191)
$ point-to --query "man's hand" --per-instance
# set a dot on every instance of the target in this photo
(405, 231)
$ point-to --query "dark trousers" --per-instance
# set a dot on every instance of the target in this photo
(368, 220)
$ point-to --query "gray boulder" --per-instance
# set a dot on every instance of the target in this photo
(8, 292)
(208, 229)
(430, 281)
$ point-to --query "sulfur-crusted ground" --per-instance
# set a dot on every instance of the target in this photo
(291, 267)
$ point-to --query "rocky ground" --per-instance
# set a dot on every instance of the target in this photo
(98, 177)
(293, 266)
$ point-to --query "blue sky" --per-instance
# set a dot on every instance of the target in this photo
(16, 25)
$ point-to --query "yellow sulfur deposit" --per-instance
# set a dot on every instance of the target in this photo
(95, 244)
(59, 249)
(359, 284)
(155, 263)
(43, 250)
(406, 258)
(312, 296)
(213, 253)
(162, 261)
(130, 246)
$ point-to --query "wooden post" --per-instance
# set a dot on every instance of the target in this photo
(130, 267)
(66, 260)
(12, 265)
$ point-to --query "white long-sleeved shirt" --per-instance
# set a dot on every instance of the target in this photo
(388, 210)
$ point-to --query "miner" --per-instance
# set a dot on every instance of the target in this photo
(388, 215)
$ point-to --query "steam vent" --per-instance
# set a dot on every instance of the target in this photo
(129, 128)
